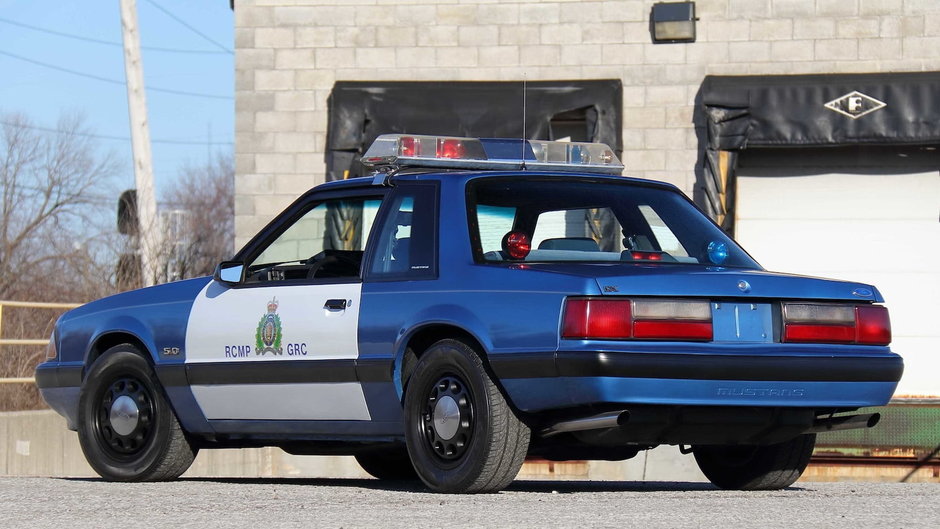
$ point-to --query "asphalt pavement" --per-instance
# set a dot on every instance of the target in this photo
(64, 503)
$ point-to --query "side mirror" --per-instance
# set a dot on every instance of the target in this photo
(229, 272)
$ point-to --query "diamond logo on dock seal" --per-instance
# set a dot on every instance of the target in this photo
(855, 105)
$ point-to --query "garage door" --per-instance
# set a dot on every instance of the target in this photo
(864, 214)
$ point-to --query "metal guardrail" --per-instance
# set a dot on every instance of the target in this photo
(27, 341)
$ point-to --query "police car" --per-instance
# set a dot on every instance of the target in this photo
(472, 303)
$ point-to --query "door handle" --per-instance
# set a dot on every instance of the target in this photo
(335, 304)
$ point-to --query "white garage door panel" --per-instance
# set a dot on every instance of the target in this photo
(825, 246)
(861, 196)
(881, 229)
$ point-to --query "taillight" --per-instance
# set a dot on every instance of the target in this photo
(597, 318)
(819, 323)
(625, 319)
(672, 320)
(872, 325)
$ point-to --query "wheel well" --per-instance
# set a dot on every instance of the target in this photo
(109, 340)
(428, 336)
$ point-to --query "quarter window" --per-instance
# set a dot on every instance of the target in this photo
(406, 245)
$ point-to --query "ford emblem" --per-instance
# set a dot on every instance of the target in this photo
(862, 292)
(744, 286)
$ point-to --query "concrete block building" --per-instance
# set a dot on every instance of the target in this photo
(808, 128)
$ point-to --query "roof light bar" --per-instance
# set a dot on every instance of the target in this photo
(409, 150)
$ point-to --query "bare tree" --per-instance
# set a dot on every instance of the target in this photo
(53, 183)
(54, 245)
(200, 226)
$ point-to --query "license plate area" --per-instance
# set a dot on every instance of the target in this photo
(742, 322)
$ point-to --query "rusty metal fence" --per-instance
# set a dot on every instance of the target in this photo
(6, 305)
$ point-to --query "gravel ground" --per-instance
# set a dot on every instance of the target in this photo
(63, 503)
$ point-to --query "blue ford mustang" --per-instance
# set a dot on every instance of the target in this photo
(475, 302)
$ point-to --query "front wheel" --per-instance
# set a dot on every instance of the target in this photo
(461, 434)
(769, 467)
(125, 425)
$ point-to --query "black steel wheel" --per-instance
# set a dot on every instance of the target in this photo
(124, 418)
(127, 429)
(447, 420)
(763, 467)
(461, 434)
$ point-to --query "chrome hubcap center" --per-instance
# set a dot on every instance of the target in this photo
(446, 417)
(124, 415)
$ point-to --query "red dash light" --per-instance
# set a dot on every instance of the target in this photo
(517, 245)
(450, 148)
(646, 256)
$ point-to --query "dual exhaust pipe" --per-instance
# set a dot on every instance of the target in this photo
(620, 419)
(845, 422)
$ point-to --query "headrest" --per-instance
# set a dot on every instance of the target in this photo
(582, 244)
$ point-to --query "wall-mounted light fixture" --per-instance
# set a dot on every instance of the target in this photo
(673, 22)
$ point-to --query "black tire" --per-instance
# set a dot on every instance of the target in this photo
(155, 448)
(770, 467)
(391, 465)
(489, 443)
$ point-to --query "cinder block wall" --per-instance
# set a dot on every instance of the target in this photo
(290, 52)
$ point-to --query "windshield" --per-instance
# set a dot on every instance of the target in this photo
(594, 221)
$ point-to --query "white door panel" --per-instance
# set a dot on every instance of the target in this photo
(276, 323)
(227, 324)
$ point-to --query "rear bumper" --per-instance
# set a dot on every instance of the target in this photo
(544, 381)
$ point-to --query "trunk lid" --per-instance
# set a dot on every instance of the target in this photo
(677, 280)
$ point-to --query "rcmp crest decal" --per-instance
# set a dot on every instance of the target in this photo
(268, 335)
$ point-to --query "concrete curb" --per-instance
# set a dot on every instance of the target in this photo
(37, 443)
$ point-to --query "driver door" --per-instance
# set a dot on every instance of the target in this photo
(282, 343)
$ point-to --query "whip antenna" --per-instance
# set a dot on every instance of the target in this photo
(522, 143)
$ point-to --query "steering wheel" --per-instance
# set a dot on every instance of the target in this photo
(329, 257)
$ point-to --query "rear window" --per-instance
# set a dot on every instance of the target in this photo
(594, 221)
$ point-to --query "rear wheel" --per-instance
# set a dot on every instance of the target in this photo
(391, 465)
(461, 434)
(767, 467)
(125, 425)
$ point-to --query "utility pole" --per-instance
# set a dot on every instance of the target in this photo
(149, 233)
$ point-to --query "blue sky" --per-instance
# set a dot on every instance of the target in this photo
(43, 93)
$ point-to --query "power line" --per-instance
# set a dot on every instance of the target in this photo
(112, 81)
(107, 137)
(187, 26)
(106, 42)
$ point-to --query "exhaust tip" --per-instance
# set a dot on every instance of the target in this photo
(623, 418)
(873, 420)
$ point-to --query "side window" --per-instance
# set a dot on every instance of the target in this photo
(327, 241)
(407, 241)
